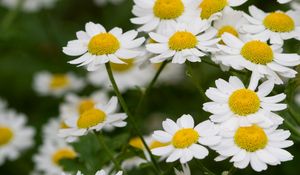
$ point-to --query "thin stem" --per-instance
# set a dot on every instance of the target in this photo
(294, 114)
(232, 170)
(130, 116)
(291, 127)
(205, 170)
(150, 86)
(108, 151)
(196, 80)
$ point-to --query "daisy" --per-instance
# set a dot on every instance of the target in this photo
(127, 76)
(96, 46)
(15, 137)
(105, 2)
(50, 154)
(259, 57)
(158, 15)
(185, 140)
(183, 42)
(276, 26)
(101, 172)
(57, 85)
(211, 10)
(185, 168)
(255, 145)
(28, 5)
(94, 119)
(235, 105)
(284, 1)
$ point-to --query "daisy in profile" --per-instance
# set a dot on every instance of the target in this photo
(96, 46)
(50, 154)
(276, 26)
(127, 76)
(235, 105)
(185, 141)
(46, 83)
(158, 15)
(105, 2)
(255, 146)
(211, 10)
(184, 42)
(15, 136)
(185, 170)
(259, 57)
(28, 5)
(95, 119)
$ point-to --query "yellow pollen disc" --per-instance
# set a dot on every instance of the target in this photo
(136, 143)
(257, 52)
(185, 138)
(122, 67)
(91, 118)
(182, 40)
(6, 135)
(63, 125)
(168, 9)
(59, 81)
(251, 138)
(210, 7)
(279, 22)
(85, 105)
(157, 144)
(103, 44)
(227, 29)
(64, 153)
(244, 102)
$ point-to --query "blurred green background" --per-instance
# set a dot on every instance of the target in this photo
(33, 42)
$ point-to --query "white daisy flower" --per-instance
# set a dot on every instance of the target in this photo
(94, 119)
(127, 76)
(185, 170)
(133, 162)
(211, 10)
(15, 137)
(158, 15)
(28, 5)
(57, 85)
(276, 26)
(75, 105)
(101, 172)
(259, 57)
(183, 42)
(255, 145)
(49, 156)
(185, 140)
(105, 2)
(235, 105)
(96, 46)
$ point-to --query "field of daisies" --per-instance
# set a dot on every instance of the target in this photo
(153, 87)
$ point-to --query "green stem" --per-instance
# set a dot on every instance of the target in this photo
(108, 151)
(130, 116)
(196, 80)
(291, 127)
(232, 171)
(150, 86)
(294, 114)
(204, 169)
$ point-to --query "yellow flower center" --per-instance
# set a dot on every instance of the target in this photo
(103, 44)
(185, 138)
(279, 22)
(244, 102)
(85, 105)
(6, 135)
(257, 52)
(59, 81)
(136, 143)
(64, 153)
(168, 9)
(210, 7)
(182, 40)
(122, 67)
(157, 144)
(251, 138)
(91, 118)
(227, 29)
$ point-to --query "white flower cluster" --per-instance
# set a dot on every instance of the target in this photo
(28, 5)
